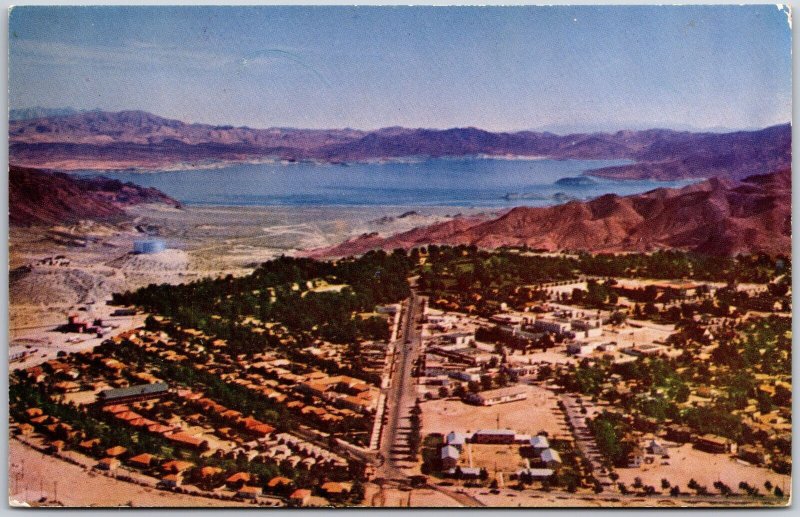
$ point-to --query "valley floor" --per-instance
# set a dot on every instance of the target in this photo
(36, 478)
(202, 241)
(95, 261)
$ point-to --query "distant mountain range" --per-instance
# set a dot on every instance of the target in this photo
(98, 140)
(40, 112)
(588, 127)
(39, 197)
(716, 216)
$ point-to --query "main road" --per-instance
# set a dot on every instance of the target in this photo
(402, 393)
(400, 398)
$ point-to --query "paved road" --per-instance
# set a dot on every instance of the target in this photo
(401, 394)
(400, 398)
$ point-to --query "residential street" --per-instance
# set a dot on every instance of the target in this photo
(585, 440)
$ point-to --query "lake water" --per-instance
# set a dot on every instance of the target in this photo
(468, 182)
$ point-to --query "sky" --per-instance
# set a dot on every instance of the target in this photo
(559, 68)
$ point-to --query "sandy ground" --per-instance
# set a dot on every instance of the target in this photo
(202, 241)
(555, 355)
(429, 498)
(494, 458)
(212, 241)
(95, 260)
(396, 498)
(67, 484)
(224, 238)
(530, 498)
(686, 463)
(527, 499)
(638, 283)
(44, 342)
(539, 412)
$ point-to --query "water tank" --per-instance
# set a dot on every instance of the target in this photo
(148, 246)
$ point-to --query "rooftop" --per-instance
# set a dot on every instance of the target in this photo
(142, 389)
(448, 451)
(540, 442)
(536, 472)
(551, 455)
(467, 471)
(503, 392)
(496, 432)
(454, 438)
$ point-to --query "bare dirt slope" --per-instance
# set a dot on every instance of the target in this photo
(716, 216)
(38, 197)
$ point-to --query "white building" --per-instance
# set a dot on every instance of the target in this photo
(455, 439)
(460, 338)
(499, 396)
(539, 444)
(653, 447)
(580, 348)
(556, 326)
(449, 457)
(535, 474)
(551, 458)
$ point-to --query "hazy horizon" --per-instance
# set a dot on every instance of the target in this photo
(500, 69)
(559, 129)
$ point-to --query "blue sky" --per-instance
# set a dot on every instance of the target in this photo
(561, 68)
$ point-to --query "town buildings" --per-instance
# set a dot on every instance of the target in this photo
(499, 396)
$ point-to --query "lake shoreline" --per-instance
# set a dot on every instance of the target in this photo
(99, 167)
(487, 183)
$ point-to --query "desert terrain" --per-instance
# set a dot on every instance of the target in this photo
(538, 413)
(76, 487)
(96, 259)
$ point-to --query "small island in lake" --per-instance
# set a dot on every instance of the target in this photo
(577, 181)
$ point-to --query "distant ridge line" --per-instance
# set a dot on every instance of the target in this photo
(100, 140)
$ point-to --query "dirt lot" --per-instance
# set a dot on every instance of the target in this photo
(396, 498)
(201, 241)
(687, 463)
(556, 355)
(539, 412)
(503, 458)
(70, 485)
(47, 342)
(531, 499)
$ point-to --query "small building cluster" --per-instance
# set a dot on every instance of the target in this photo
(453, 451)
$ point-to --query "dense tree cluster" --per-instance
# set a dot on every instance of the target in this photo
(759, 268)
(657, 389)
(609, 430)
(278, 291)
(480, 280)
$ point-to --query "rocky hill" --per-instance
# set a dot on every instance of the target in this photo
(40, 112)
(717, 216)
(136, 139)
(39, 197)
